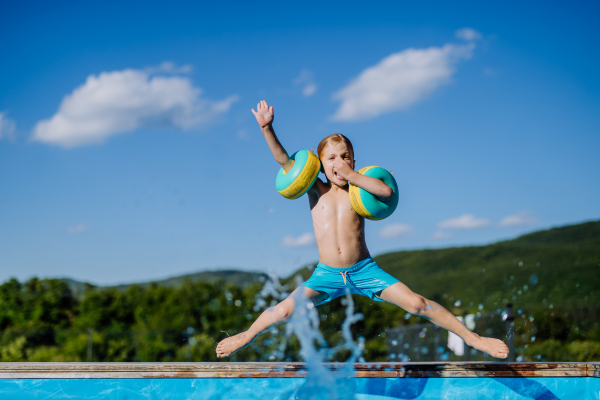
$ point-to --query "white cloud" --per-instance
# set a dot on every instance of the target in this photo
(395, 230)
(466, 221)
(7, 127)
(519, 219)
(438, 235)
(399, 81)
(305, 240)
(307, 80)
(75, 229)
(121, 101)
(468, 34)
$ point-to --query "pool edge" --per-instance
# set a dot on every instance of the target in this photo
(292, 370)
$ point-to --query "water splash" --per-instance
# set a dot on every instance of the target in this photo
(321, 381)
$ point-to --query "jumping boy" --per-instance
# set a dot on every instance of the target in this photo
(344, 260)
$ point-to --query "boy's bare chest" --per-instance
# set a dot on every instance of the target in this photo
(334, 207)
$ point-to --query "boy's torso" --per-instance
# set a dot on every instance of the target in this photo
(339, 230)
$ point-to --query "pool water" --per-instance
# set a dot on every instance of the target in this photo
(297, 388)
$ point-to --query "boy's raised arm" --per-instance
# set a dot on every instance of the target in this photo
(264, 116)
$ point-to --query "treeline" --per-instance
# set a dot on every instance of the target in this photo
(42, 320)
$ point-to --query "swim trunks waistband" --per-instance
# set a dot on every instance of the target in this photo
(351, 268)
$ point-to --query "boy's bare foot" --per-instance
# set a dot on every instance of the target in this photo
(230, 345)
(494, 347)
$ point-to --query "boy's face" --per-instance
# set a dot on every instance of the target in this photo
(336, 159)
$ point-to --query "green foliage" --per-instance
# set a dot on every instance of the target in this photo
(551, 276)
(550, 350)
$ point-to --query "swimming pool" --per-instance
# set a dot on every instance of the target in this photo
(289, 381)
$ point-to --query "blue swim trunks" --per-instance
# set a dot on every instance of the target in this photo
(365, 278)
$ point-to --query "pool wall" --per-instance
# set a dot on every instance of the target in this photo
(289, 380)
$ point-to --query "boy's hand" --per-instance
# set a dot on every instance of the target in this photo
(342, 170)
(264, 114)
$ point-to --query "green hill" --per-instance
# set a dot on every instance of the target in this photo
(559, 266)
(228, 276)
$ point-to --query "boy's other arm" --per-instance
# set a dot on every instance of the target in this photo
(371, 185)
(264, 116)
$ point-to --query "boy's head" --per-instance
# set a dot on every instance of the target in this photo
(335, 147)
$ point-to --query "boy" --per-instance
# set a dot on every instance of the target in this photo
(344, 260)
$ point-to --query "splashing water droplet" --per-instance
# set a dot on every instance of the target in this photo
(520, 358)
(531, 318)
(394, 342)
(457, 303)
(480, 307)
(533, 338)
(407, 316)
(534, 279)
(445, 356)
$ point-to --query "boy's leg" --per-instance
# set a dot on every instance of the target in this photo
(268, 319)
(401, 295)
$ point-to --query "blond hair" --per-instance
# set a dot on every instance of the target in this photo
(334, 139)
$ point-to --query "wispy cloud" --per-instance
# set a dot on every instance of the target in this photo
(395, 230)
(468, 34)
(306, 79)
(399, 81)
(243, 134)
(117, 102)
(439, 235)
(76, 229)
(519, 219)
(488, 71)
(305, 240)
(169, 67)
(7, 127)
(466, 221)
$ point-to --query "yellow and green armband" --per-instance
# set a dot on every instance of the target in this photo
(370, 206)
(301, 177)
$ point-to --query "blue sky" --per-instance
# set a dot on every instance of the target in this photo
(128, 151)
